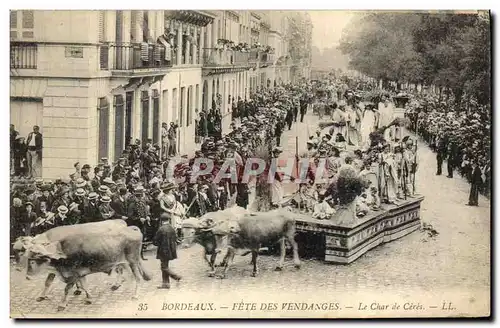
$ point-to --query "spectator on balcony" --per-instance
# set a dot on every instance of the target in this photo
(166, 40)
(35, 145)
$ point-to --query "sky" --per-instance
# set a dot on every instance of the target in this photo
(328, 25)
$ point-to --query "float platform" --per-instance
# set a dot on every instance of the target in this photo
(347, 242)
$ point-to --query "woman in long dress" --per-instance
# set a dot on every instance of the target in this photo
(389, 176)
(368, 124)
(386, 111)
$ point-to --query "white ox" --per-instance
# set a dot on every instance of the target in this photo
(78, 250)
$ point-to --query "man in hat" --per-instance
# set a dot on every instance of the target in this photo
(168, 202)
(85, 172)
(81, 183)
(172, 139)
(77, 208)
(164, 141)
(96, 181)
(61, 219)
(91, 208)
(138, 211)
(35, 146)
(166, 241)
(63, 199)
(105, 210)
(119, 170)
(119, 202)
(106, 173)
(278, 131)
(77, 174)
(104, 191)
(441, 152)
(476, 182)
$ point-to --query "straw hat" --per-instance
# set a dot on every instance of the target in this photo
(62, 210)
(80, 192)
(80, 183)
(93, 196)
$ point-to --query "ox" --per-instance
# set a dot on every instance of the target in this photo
(54, 234)
(208, 232)
(89, 251)
(257, 229)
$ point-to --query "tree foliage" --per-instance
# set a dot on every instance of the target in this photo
(448, 50)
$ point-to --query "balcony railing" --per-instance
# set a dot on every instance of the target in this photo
(213, 57)
(266, 58)
(134, 56)
(23, 55)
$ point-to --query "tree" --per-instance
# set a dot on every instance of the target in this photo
(449, 50)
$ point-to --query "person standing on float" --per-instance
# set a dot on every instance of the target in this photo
(390, 179)
(386, 116)
(368, 124)
(351, 134)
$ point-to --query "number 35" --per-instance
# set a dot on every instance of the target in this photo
(142, 307)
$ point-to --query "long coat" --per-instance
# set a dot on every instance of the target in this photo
(166, 241)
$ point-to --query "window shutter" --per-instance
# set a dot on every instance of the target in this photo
(28, 19)
(103, 121)
(102, 22)
(119, 26)
(13, 19)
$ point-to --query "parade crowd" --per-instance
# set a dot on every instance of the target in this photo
(461, 136)
(359, 141)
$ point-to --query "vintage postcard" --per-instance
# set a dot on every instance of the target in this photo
(250, 164)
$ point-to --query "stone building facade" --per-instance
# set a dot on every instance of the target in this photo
(95, 80)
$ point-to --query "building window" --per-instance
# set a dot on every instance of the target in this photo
(22, 21)
(174, 105)
(28, 19)
(197, 101)
(119, 126)
(145, 116)
(189, 104)
(102, 25)
(103, 119)
(181, 107)
(13, 19)
(156, 116)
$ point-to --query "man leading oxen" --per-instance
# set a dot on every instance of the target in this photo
(74, 252)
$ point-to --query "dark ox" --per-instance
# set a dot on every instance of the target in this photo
(251, 231)
(193, 232)
(254, 230)
(91, 250)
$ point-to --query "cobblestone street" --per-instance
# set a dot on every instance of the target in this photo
(456, 261)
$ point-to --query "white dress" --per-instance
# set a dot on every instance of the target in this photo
(386, 117)
(367, 126)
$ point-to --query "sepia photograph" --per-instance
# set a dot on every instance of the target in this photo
(331, 164)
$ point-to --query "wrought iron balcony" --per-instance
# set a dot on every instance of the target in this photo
(213, 57)
(266, 59)
(135, 56)
(23, 55)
